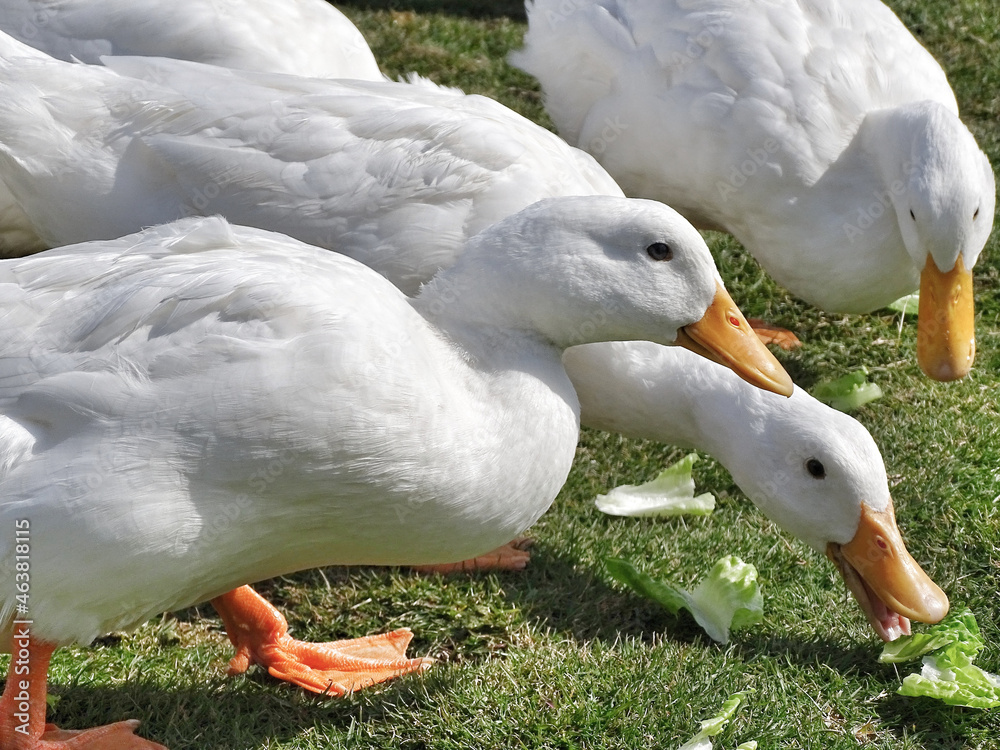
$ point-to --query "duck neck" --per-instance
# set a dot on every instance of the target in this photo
(848, 220)
(670, 395)
(491, 328)
(667, 394)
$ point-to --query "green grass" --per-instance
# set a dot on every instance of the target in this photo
(559, 656)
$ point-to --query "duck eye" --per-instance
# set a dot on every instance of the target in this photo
(976, 214)
(660, 251)
(912, 216)
(815, 468)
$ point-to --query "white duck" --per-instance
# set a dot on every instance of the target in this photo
(819, 133)
(814, 471)
(145, 382)
(396, 175)
(304, 37)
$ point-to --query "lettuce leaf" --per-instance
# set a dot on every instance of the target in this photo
(726, 599)
(958, 628)
(671, 493)
(906, 304)
(956, 685)
(948, 674)
(848, 392)
(711, 727)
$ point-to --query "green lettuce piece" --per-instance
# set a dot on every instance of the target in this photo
(727, 598)
(956, 685)
(948, 674)
(670, 494)
(958, 630)
(848, 392)
(907, 304)
(711, 727)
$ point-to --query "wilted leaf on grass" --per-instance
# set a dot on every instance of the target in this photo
(670, 494)
(727, 598)
(711, 727)
(849, 392)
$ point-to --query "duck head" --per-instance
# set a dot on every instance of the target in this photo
(658, 282)
(943, 195)
(812, 470)
(822, 479)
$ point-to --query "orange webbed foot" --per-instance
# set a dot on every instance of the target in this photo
(341, 667)
(511, 556)
(772, 334)
(117, 736)
(22, 708)
(260, 634)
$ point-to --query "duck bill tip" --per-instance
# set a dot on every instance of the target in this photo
(723, 335)
(888, 583)
(946, 336)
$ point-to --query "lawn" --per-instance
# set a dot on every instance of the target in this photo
(559, 656)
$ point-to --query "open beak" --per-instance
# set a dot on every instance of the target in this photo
(724, 336)
(887, 582)
(946, 335)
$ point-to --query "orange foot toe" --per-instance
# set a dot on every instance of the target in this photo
(511, 556)
(772, 334)
(260, 634)
(341, 667)
(118, 736)
(22, 708)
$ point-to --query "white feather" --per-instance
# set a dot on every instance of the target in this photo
(805, 128)
(394, 174)
(201, 406)
(304, 37)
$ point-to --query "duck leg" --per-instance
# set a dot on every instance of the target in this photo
(260, 634)
(22, 709)
(772, 334)
(511, 556)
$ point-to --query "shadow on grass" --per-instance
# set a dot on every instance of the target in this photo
(513, 9)
(559, 595)
(936, 724)
(251, 711)
(933, 723)
(859, 658)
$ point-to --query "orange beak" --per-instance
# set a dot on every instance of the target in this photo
(946, 334)
(890, 586)
(724, 336)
